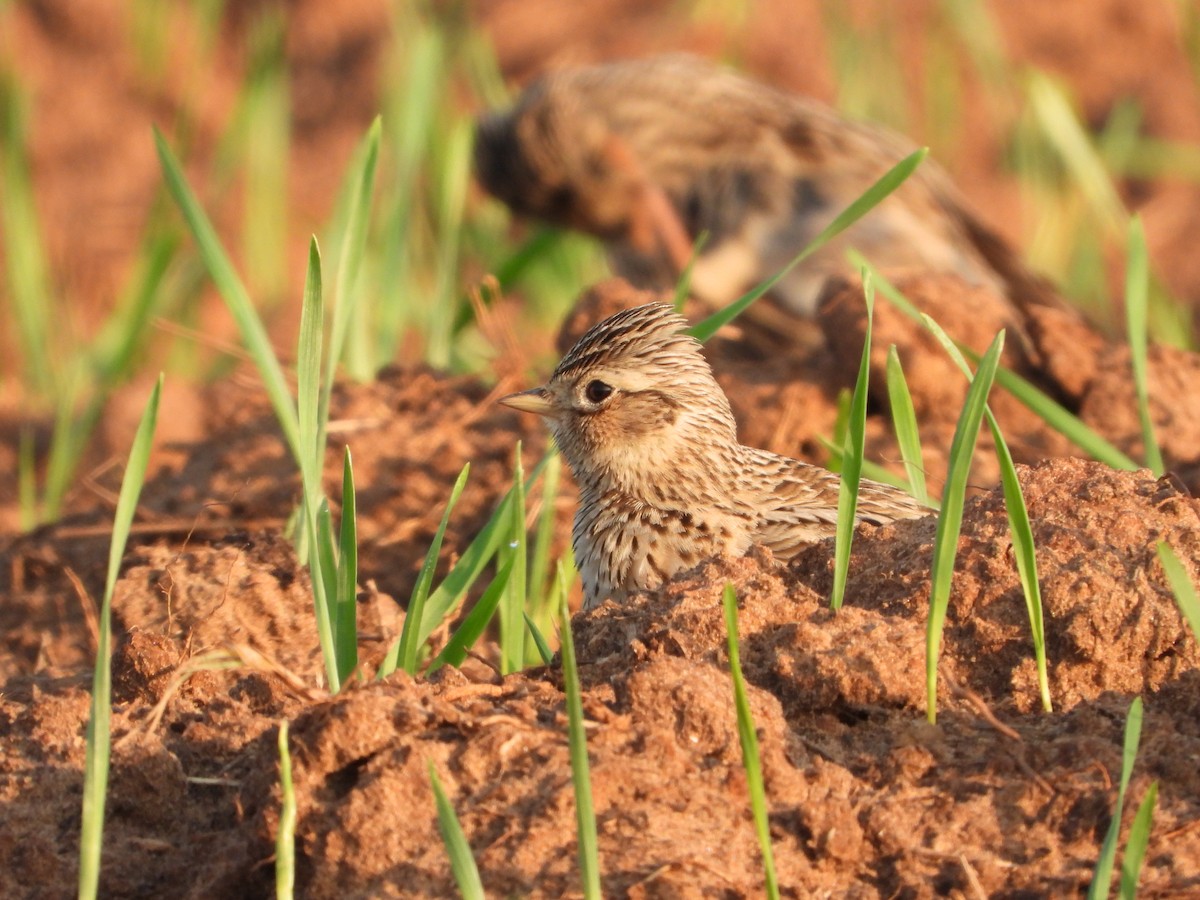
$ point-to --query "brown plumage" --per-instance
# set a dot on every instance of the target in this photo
(664, 483)
(647, 154)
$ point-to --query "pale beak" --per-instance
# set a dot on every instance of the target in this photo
(534, 401)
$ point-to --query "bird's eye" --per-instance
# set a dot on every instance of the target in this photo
(597, 391)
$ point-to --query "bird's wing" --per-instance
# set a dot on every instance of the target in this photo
(798, 504)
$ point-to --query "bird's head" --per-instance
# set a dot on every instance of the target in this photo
(633, 400)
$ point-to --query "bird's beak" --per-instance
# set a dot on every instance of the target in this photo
(534, 401)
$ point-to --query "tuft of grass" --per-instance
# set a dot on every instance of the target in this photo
(1019, 527)
(945, 543)
(462, 862)
(403, 654)
(1034, 399)
(870, 198)
(285, 836)
(476, 622)
(1137, 286)
(1181, 585)
(585, 815)
(852, 459)
(748, 737)
(99, 738)
(1102, 874)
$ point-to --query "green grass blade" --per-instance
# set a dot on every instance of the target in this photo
(683, 287)
(904, 421)
(462, 862)
(1102, 874)
(872, 470)
(512, 605)
(99, 737)
(539, 641)
(871, 198)
(285, 836)
(346, 598)
(585, 815)
(852, 459)
(475, 623)
(1063, 421)
(749, 740)
(1021, 531)
(1181, 585)
(1137, 290)
(354, 241)
(234, 292)
(541, 582)
(1136, 843)
(24, 253)
(945, 544)
(404, 652)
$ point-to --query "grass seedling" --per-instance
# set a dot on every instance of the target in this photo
(872, 197)
(462, 862)
(1182, 587)
(285, 836)
(1102, 874)
(904, 421)
(585, 816)
(1136, 843)
(749, 740)
(403, 654)
(99, 738)
(345, 613)
(1019, 527)
(852, 459)
(1137, 289)
(945, 542)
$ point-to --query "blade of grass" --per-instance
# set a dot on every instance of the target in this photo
(749, 740)
(462, 862)
(475, 623)
(346, 599)
(512, 605)
(585, 816)
(904, 421)
(1181, 586)
(285, 835)
(539, 642)
(1137, 289)
(871, 198)
(361, 181)
(945, 544)
(852, 459)
(1102, 874)
(322, 562)
(99, 737)
(1136, 843)
(540, 577)
(872, 470)
(234, 292)
(404, 652)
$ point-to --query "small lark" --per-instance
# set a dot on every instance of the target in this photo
(651, 441)
(647, 154)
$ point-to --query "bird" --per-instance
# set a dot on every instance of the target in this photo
(652, 443)
(649, 154)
